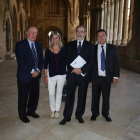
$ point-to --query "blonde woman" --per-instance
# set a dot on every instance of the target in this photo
(55, 72)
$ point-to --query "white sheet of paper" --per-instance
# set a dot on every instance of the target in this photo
(78, 63)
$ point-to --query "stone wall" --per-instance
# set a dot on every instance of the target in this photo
(127, 56)
(46, 15)
(12, 26)
(3, 6)
(47, 18)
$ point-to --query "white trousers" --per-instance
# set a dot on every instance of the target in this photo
(55, 103)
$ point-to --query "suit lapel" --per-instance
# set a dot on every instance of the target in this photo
(107, 51)
(37, 49)
(28, 46)
(29, 50)
(96, 53)
(75, 50)
(83, 47)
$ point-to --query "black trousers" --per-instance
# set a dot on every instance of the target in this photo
(104, 87)
(28, 96)
(70, 98)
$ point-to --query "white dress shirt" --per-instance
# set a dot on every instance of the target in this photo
(81, 43)
(99, 50)
(100, 72)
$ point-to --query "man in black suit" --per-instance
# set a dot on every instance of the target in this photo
(104, 72)
(74, 78)
(30, 62)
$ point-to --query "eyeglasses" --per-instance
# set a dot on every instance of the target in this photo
(80, 32)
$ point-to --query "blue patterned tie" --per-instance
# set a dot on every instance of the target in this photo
(79, 47)
(102, 59)
(34, 56)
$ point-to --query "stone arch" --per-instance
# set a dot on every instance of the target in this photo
(8, 30)
(51, 28)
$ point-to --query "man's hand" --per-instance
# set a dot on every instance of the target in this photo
(35, 74)
(77, 71)
(115, 81)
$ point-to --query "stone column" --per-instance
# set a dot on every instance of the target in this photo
(28, 7)
(88, 28)
(111, 22)
(102, 16)
(124, 34)
(28, 12)
(81, 13)
(105, 15)
(108, 19)
(116, 22)
(133, 49)
(85, 20)
(130, 20)
(99, 13)
(120, 22)
(94, 22)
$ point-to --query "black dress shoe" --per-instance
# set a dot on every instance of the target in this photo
(80, 120)
(93, 118)
(25, 120)
(107, 117)
(34, 115)
(64, 121)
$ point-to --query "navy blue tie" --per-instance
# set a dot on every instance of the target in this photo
(34, 56)
(79, 47)
(102, 59)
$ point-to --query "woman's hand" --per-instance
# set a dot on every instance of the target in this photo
(46, 80)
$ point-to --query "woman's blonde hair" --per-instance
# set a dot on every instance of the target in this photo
(50, 39)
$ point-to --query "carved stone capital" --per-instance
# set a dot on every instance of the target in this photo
(20, 5)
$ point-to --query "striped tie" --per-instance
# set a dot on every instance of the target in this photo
(34, 56)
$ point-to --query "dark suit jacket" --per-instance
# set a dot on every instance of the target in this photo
(112, 67)
(87, 53)
(25, 59)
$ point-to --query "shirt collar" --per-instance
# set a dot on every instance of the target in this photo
(102, 45)
(80, 41)
(30, 42)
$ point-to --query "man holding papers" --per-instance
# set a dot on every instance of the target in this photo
(79, 59)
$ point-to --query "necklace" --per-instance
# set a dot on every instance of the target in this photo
(56, 59)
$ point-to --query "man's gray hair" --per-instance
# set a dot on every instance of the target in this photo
(81, 26)
(30, 27)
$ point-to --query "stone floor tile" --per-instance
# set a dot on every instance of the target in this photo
(19, 131)
(106, 129)
(129, 135)
(87, 135)
(135, 125)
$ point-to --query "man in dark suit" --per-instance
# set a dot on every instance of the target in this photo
(30, 62)
(104, 72)
(74, 78)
